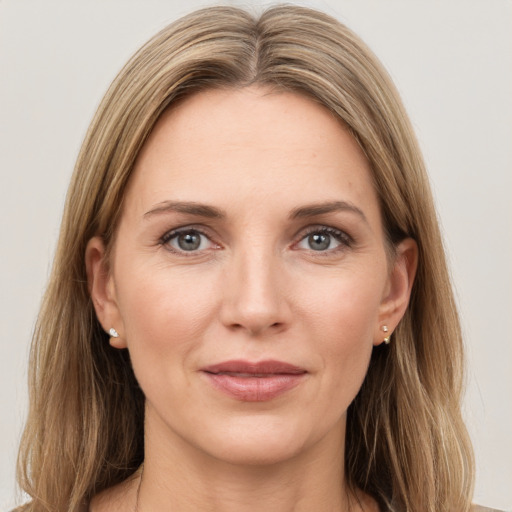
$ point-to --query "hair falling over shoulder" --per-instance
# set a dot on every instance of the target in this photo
(407, 445)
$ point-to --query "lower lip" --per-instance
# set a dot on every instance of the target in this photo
(255, 389)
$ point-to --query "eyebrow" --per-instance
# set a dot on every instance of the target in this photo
(188, 207)
(313, 210)
(212, 212)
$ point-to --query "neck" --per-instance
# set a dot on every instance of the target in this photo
(180, 477)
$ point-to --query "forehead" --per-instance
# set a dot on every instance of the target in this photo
(279, 147)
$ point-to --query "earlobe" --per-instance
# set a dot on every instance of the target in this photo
(398, 290)
(102, 290)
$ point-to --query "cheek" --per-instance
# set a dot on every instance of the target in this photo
(346, 304)
(164, 313)
(342, 321)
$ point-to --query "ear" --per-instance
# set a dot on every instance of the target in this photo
(398, 289)
(102, 290)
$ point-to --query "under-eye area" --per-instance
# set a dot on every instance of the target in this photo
(188, 240)
(324, 239)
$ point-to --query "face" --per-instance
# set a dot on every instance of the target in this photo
(249, 278)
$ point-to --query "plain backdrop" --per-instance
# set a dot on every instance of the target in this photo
(451, 61)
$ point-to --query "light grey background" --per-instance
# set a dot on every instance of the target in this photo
(452, 62)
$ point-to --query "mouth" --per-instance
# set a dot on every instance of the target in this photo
(254, 382)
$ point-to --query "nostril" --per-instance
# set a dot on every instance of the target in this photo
(256, 328)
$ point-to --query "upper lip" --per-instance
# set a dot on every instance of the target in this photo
(260, 368)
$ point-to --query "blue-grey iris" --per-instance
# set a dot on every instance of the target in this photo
(319, 241)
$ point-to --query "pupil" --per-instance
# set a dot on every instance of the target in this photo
(319, 242)
(189, 241)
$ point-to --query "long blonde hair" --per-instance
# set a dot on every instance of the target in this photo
(406, 442)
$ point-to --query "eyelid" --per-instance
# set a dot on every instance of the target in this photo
(173, 233)
(344, 239)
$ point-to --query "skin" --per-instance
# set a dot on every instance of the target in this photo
(257, 287)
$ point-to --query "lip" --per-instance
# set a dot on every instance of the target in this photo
(254, 381)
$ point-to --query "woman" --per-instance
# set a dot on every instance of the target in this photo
(249, 306)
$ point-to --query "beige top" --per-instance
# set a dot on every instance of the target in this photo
(474, 508)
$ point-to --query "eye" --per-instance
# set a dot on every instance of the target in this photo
(187, 240)
(324, 239)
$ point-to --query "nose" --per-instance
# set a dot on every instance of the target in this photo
(253, 295)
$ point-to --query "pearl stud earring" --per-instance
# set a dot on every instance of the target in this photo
(387, 339)
(113, 333)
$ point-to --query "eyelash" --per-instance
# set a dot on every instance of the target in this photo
(345, 240)
(175, 233)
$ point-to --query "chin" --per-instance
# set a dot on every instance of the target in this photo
(260, 453)
(265, 442)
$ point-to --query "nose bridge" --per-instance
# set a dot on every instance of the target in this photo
(253, 296)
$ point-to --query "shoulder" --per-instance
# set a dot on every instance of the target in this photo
(479, 508)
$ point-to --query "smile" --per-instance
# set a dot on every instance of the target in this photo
(254, 382)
